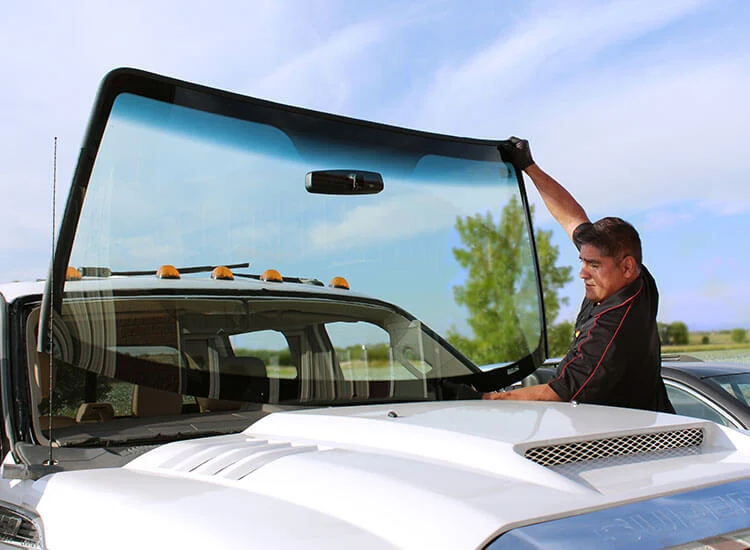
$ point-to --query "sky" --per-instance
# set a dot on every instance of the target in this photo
(640, 108)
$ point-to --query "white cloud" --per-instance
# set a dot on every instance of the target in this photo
(53, 57)
(684, 214)
(625, 135)
(729, 206)
(659, 219)
(654, 138)
(405, 216)
(389, 220)
(620, 102)
(326, 74)
(334, 63)
(557, 41)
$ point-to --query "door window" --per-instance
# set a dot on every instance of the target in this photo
(687, 403)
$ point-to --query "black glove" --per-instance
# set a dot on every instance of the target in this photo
(517, 152)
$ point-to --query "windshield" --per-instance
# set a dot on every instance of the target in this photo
(736, 385)
(174, 358)
(180, 175)
(208, 180)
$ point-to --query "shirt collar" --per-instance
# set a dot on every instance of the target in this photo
(620, 296)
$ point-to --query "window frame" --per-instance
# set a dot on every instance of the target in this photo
(721, 411)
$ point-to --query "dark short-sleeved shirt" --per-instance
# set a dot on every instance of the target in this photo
(615, 358)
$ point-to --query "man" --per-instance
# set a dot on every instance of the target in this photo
(615, 358)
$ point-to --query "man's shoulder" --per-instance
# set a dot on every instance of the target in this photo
(645, 272)
(648, 279)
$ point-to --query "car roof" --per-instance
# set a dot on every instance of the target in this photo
(11, 291)
(702, 370)
(149, 284)
(686, 364)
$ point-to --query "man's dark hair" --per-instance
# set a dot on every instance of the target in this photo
(613, 237)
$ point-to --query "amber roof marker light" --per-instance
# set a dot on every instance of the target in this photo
(167, 272)
(271, 276)
(222, 273)
(72, 274)
(339, 282)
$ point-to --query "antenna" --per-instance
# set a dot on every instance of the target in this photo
(51, 461)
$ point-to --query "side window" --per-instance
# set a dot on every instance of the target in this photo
(364, 353)
(74, 387)
(71, 386)
(688, 404)
(269, 345)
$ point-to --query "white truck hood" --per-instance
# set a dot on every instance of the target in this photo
(430, 475)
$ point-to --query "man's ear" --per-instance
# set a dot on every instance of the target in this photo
(629, 267)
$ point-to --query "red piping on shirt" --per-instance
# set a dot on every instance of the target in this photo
(588, 336)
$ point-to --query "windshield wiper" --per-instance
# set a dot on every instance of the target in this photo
(107, 442)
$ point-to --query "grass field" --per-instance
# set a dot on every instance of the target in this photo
(734, 353)
(719, 347)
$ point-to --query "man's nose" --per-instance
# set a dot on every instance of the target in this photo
(584, 273)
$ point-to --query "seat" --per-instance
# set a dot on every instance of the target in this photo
(244, 365)
(152, 402)
(95, 412)
(58, 421)
(206, 404)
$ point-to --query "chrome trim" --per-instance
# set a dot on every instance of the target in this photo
(710, 404)
(20, 528)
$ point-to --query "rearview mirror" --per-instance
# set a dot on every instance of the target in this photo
(343, 182)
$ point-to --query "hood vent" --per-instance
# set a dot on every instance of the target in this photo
(638, 444)
(233, 460)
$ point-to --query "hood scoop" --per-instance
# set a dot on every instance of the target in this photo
(629, 445)
(230, 460)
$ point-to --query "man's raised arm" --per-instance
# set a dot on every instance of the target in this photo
(561, 204)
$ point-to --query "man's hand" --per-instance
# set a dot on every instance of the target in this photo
(517, 151)
(497, 395)
(540, 392)
(561, 204)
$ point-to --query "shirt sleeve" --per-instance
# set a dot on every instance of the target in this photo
(590, 371)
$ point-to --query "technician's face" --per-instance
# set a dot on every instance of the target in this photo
(602, 276)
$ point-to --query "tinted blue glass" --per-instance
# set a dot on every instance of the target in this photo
(173, 185)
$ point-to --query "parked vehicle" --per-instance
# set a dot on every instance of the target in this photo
(157, 394)
(711, 390)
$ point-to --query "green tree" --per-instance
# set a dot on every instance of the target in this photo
(500, 287)
(678, 333)
(663, 333)
(739, 335)
(559, 337)
(70, 388)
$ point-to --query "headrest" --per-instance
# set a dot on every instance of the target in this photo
(152, 402)
(215, 405)
(243, 365)
(95, 412)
